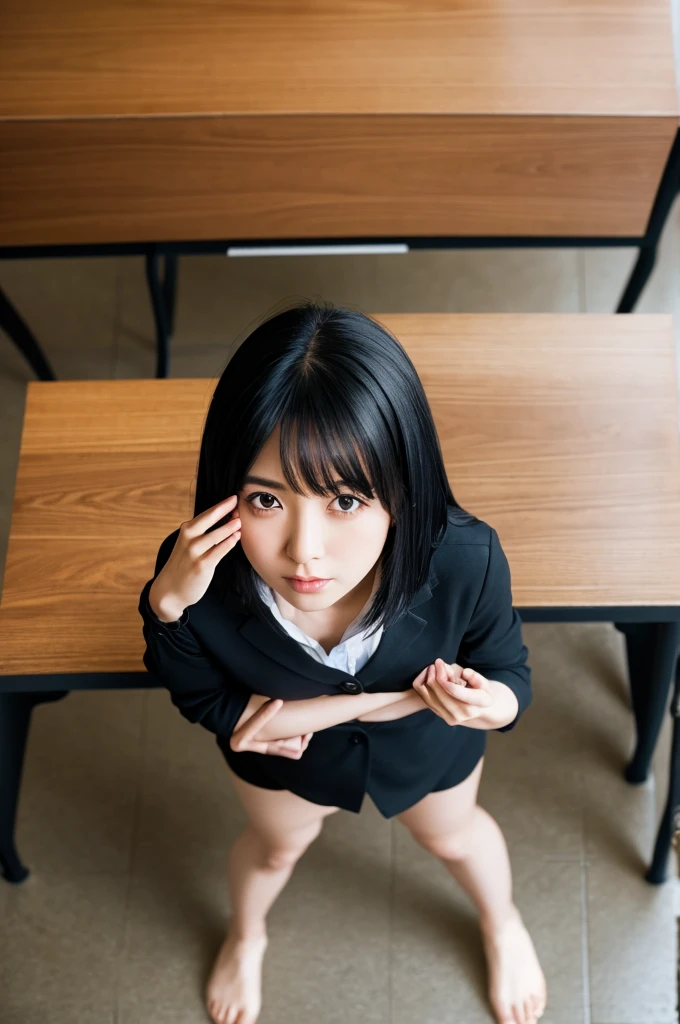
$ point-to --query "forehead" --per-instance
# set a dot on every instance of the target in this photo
(269, 454)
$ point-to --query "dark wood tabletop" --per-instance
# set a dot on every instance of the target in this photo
(198, 119)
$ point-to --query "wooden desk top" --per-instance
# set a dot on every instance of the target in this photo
(195, 120)
(113, 58)
(561, 431)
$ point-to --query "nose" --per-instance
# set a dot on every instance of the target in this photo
(305, 542)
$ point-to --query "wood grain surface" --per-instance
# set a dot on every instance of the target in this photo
(561, 431)
(117, 58)
(198, 119)
(306, 177)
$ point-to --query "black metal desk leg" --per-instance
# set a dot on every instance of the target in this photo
(665, 197)
(652, 650)
(163, 295)
(18, 331)
(15, 717)
(639, 276)
(670, 821)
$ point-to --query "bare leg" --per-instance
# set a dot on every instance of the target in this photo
(281, 827)
(471, 846)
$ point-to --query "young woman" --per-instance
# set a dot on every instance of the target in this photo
(344, 627)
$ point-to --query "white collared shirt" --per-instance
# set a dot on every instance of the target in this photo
(350, 655)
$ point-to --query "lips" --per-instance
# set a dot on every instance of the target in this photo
(306, 586)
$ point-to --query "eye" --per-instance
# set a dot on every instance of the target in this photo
(261, 494)
(346, 498)
(266, 498)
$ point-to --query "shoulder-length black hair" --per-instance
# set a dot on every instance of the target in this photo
(350, 404)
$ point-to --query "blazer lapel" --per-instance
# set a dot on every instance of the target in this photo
(266, 634)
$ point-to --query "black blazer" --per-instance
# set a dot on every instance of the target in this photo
(218, 654)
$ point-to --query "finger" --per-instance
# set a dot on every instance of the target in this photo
(420, 678)
(258, 719)
(215, 542)
(441, 673)
(453, 672)
(424, 691)
(466, 695)
(438, 704)
(255, 746)
(474, 679)
(200, 523)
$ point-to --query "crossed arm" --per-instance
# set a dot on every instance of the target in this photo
(298, 717)
(478, 703)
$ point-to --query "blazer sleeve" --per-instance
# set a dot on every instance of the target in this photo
(492, 643)
(200, 688)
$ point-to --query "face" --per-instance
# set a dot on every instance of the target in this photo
(286, 535)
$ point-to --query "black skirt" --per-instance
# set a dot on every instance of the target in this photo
(397, 763)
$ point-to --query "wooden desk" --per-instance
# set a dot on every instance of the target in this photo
(560, 431)
(199, 120)
(199, 125)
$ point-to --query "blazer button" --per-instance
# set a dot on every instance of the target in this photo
(351, 686)
(356, 738)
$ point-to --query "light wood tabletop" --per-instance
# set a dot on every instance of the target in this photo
(193, 119)
(561, 431)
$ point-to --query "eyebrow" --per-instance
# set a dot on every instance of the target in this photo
(276, 484)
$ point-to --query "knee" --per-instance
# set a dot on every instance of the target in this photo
(450, 845)
(279, 855)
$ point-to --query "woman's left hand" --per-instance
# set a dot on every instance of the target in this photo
(455, 694)
(244, 737)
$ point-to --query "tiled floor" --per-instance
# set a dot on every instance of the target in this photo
(126, 811)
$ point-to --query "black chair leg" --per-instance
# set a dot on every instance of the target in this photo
(670, 821)
(15, 718)
(652, 650)
(163, 293)
(18, 331)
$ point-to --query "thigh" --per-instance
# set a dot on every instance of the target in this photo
(445, 811)
(277, 813)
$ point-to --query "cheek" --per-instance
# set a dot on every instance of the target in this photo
(371, 534)
(256, 540)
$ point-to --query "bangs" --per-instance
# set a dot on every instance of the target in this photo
(316, 449)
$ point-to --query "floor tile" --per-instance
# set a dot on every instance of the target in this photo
(329, 943)
(70, 305)
(79, 789)
(330, 930)
(532, 778)
(438, 966)
(59, 948)
(633, 948)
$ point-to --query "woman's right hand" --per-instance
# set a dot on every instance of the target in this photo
(187, 574)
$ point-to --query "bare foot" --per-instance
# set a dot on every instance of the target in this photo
(234, 991)
(517, 988)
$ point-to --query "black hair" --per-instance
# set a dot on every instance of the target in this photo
(347, 398)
